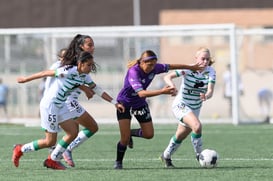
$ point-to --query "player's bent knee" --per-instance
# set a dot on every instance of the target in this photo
(95, 129)
(148, 136)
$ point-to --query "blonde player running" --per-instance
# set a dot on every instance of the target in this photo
(196, 87)
(54, 110)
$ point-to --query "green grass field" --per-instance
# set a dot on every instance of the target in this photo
(245, 154)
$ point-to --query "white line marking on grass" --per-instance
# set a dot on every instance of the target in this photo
(152, 159)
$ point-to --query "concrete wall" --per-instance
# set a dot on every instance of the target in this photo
(61, 13)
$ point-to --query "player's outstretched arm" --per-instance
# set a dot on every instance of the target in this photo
(100, 92)
(37, 75)
(193, 67)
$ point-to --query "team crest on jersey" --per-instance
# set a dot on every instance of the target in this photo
(52, 126)
(143, 81)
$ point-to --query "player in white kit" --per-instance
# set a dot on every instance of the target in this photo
(196, 87)
(78, 44)
(54, 110)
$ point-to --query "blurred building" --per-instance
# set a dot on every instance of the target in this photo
(63, 13)
(242, 18)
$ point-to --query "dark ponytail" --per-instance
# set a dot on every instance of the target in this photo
(74, 49)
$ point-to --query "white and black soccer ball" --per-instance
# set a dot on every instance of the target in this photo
(208, 158)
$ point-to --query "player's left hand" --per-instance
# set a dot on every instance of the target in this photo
(21, 80)
(197, 66)
(203, 97)
(120, 107)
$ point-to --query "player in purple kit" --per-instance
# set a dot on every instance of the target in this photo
(133, 95)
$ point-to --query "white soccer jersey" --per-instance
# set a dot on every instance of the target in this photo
(49, 80)
(192, 84)
(75, 93)
(68, 80)
(73, 106)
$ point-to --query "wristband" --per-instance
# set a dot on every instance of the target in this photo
(113, 101)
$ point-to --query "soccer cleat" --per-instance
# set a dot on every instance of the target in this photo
(17, 153)
(67, 155)
(167, 161)
(118, 165)
(56, 165)
(131, 143)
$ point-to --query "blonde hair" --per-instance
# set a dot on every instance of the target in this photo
(204, 49)
(146, 54)
(131, 63)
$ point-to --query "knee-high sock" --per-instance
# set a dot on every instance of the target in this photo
(58, 151)
(196, 141)
(172, 147)
(83, 135)
(32, 146)
(121, 149)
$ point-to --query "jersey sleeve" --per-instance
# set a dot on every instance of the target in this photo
(134, 80)
(212, 75)
(162, 68)
(65, 71)
(55, 65)
(88, 80)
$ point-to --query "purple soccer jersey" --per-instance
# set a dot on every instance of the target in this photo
(135, 81)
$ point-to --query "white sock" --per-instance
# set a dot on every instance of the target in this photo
(57, 153)
(197, 144)
(28, 147)
(77, 141)
(171, 148)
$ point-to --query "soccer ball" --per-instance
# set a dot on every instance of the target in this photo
(208, 158)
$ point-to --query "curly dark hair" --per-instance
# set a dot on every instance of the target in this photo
(74, 49)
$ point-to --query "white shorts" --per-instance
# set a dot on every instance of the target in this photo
(52, 116)
(74, 107)
(181, 110)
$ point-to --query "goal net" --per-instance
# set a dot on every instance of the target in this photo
(247, 51)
